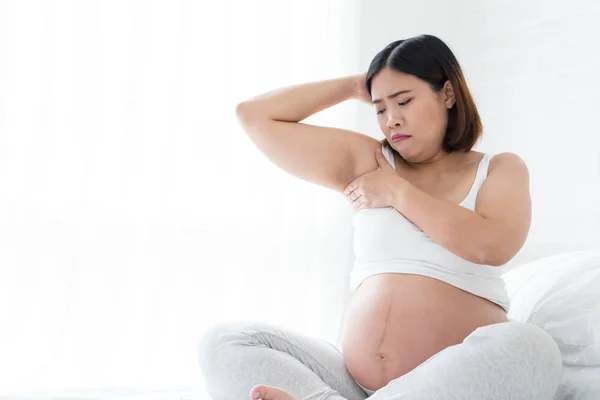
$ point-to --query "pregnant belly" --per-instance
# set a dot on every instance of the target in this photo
(397, 321)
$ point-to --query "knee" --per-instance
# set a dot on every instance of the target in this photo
(539, 341)
(213, 337)
(209, 340)
(524, 345)
(216, 338)
(539, 352)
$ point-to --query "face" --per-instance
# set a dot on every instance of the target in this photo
(417, 111)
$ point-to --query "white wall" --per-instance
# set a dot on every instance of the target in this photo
(532, 67)
(135, 212)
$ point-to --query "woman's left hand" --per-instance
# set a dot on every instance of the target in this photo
(377, 188)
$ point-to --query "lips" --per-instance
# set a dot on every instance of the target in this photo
(398, 135)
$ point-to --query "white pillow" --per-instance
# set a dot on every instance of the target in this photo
(579, 383)
(561, 294)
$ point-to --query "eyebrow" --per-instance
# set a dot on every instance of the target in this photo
(391, 96)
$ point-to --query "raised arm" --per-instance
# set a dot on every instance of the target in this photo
(329, 157)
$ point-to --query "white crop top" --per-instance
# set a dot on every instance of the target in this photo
(385, 242)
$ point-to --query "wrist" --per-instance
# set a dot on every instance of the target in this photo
(359, 89)
(355, 86)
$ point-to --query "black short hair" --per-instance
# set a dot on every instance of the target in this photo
(430, 59)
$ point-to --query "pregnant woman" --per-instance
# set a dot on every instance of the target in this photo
(434, 220)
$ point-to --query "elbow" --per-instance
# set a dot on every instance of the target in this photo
(247, 118)
(241, 111)
(249, 114)
(493, 257)
(493, 248)
(240, 108)
(496, 262)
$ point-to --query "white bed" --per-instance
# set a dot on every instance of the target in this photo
(195, 392)
(559, 292)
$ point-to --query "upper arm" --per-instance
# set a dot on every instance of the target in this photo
(504, 201)
(322, 155)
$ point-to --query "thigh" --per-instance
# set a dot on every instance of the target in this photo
(508, 360)
(321, 357)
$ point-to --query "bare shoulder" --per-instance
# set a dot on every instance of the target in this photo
(505, 202)
(508, 162)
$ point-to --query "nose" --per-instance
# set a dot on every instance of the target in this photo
(394, 122)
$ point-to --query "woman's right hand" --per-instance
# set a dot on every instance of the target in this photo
(360, 90)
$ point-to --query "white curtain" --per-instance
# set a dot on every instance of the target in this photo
(134, 211)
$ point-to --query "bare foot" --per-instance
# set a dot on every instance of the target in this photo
(269, 393)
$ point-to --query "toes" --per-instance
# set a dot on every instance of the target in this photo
(258, 392)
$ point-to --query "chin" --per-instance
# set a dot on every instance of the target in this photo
(408, 157)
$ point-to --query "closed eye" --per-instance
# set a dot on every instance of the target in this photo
(400, 104)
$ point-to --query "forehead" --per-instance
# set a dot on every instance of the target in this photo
(389, 81)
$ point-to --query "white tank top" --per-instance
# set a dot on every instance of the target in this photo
(385, 241)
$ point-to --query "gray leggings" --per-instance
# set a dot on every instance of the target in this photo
(508, 360)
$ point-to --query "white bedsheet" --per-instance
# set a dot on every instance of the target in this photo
(549, 292)
(195, 392)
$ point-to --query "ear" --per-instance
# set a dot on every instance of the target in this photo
(449, 95)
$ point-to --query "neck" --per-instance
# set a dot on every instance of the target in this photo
(437, 164)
